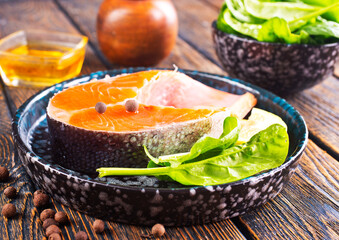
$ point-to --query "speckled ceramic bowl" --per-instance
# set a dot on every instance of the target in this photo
(146, 200)
(281, 68)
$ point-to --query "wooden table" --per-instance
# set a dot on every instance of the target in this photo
(306, 209)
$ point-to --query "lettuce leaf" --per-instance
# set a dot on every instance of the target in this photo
(323, 28)
(273, 30)
(332, 14)
(226, 163)
(205, 146)
(285, 10)
(281, 22)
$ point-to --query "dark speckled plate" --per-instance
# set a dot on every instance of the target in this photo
(145, 200)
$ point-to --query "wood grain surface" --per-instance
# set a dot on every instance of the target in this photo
(312, 104)
(37, 14)
(216, 4)
(183, 55)
(27, 225)
(306, 209)
(25, 222)
(222, 230)
(320, 109)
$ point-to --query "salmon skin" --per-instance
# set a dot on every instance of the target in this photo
(174, 112)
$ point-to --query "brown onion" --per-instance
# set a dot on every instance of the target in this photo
(137, 32)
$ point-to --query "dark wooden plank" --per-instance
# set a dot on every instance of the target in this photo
(36, 14)
(225, 230)
(183, 55)
(216, 4)
(25, 222)
(307, 208)
(39, 15)
(314, 104)
(42, 15)
(195, 25)
(336, 69)
(190, 59)
(123, 229)
(319, 106)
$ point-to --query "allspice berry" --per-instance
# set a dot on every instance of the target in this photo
(48, 222)
(10, 192)
(54, 236)
(47, 213)
(40, 200)
(158, 230)
(131, 105)
(8, 210)
(100, 107)
(98, 226)
(52, 229)
(39, 191)
(4, 174)
(81, 235)
(61, 217)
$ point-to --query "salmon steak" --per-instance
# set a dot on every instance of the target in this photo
(171, 112)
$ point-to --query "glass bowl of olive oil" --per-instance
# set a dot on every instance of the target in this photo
(40, 58)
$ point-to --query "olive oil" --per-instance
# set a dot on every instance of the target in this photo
(40, 63)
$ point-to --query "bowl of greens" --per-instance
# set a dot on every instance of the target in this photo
(285, 46)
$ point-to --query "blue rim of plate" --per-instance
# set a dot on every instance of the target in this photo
(274, 98)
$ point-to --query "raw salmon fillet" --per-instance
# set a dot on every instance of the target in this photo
(174, 112)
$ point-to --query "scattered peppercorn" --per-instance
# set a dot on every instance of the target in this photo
(4, 174)
(100, 107)
(99, 226)
(158, 230)
(8, 210)
(52, 229)
(61, 217)
(10, 192)
(47, 213)
(48, 222)
(40, 200)
(131, 105)
(37, 192)
(54, 236)
(81, 235)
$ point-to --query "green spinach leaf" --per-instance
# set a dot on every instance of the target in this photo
(277, 30)
(323, 28)
(279, 21)
(273, 30)
(265, 150)
(247, 29)
(312, 15)
(286, 10)
(221, 24)
(332, 14)
(206, 146)
(238, 10)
